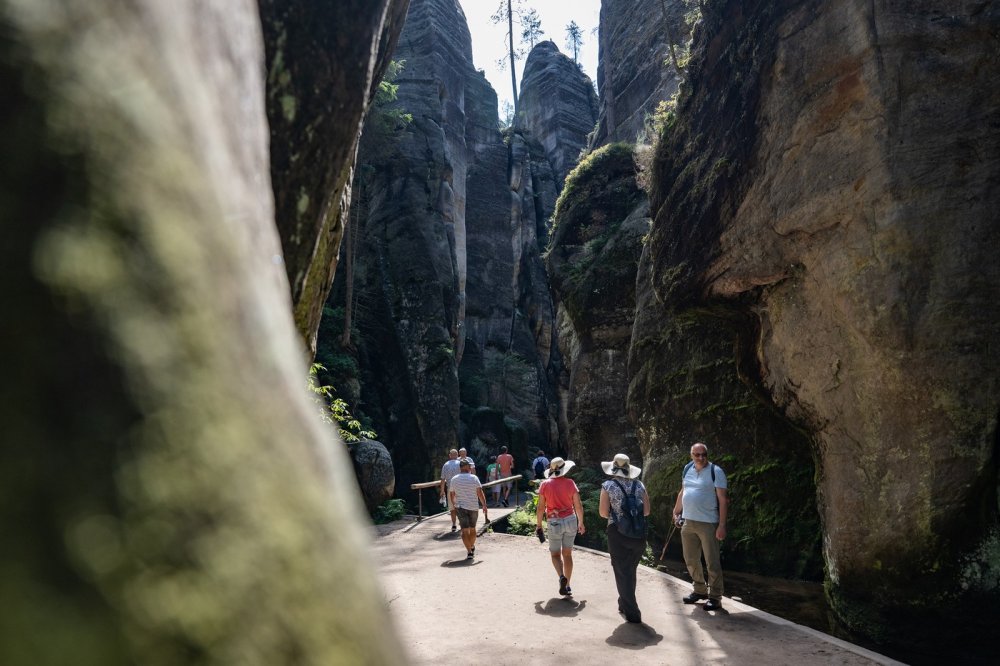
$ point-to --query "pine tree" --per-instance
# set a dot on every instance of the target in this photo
(531, 26)
(574, 39)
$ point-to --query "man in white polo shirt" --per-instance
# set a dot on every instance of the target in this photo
(466, 493)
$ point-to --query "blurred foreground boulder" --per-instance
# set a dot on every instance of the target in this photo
(168, 495)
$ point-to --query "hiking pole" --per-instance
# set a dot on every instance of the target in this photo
(664, 552)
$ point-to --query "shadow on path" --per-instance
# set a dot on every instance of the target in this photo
(560, 607)
(464, 562)
(633, 636)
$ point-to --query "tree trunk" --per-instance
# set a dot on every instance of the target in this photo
(513, 74)
(349, 234)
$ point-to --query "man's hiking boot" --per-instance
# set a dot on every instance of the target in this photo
(694, 597)
(563, 589)
(470, 556)
(569, 592)
(713, 605)
(453, 528)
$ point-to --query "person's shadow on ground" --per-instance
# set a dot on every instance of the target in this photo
(560, 607)
(463, 562)
(633, 636)
(447, 535)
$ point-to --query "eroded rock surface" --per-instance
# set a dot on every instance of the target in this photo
(373, 467)
(558, 106)
(637, 69)
(597, 235)
(315, 106)
(455, 332)
(832, 177)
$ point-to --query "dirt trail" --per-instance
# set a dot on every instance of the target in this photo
(504, 608)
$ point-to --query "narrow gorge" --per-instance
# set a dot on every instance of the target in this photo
(765, 225)
(769, 245)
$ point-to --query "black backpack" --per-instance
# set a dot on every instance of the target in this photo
(539, 470)
(632, 521)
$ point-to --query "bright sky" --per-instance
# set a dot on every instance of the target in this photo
(489, 41)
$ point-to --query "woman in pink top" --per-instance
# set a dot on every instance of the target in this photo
(559, 503)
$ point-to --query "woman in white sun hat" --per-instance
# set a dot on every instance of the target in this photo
(559, 503)
(626, 528)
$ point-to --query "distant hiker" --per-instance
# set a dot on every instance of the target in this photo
(448, 470)
(540, 464)
(466, 494)
(559, 502)
(462, 453)
(625, 504)
(506, 462)
(701, 509)
(493, 474)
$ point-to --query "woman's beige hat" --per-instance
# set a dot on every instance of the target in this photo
(620, 466)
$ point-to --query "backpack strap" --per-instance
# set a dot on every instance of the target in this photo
(621, 487)
(625, 493)
(711, 467)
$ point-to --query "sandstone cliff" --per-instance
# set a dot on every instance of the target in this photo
(315, 106)
(557, 105)
(600, 220)
(454, 321)
(637, 68)
(827, 192)
(169, 493)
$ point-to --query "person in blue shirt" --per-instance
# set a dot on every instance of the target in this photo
(539, 465)
(701, 509)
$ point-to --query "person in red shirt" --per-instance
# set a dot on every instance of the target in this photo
(506, 462)
(559, 503)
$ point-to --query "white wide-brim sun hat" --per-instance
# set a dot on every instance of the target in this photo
(620, 466)
(559, 467)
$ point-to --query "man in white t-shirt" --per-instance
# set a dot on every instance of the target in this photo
(449, 470)
(464, 455)
(466, 493)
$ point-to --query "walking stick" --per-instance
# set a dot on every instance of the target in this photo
(664, 552)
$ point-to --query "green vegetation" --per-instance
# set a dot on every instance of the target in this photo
(522, 521)
(335, 410)
(391, 510)
(574, 40)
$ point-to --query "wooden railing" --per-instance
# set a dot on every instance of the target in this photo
(420, 487)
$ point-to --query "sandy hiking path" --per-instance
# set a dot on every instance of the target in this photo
(503, 607)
